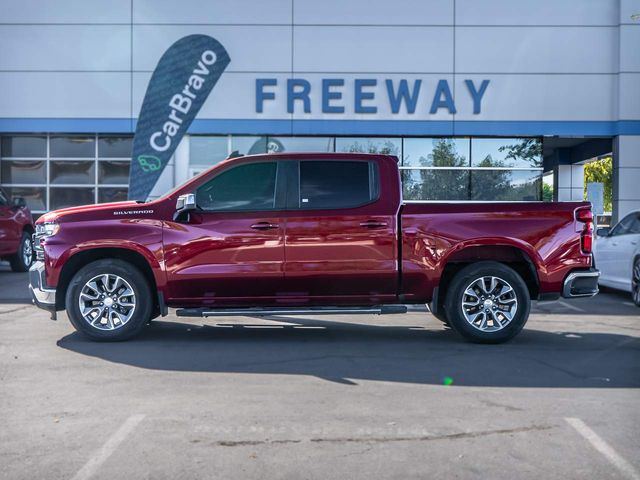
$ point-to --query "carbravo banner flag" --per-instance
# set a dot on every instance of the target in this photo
(180, 84)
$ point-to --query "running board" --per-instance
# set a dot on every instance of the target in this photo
(267, 312)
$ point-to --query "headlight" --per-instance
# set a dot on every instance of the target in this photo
(44, 230)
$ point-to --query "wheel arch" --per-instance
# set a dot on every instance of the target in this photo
(513, 256)
(74, 263)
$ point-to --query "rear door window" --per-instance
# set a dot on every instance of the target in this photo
(336, 184)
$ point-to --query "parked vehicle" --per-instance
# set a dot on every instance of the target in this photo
(314, 233)
(617, 255)
(16, 229)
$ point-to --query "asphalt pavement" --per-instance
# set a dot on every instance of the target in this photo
(396, 396)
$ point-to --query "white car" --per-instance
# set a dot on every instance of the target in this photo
(617, 254)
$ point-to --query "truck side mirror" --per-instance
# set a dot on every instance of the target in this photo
(19, 202)
(603, 232)
(186, 203)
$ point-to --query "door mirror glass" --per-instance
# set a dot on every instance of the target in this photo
(19, 202)
(603, 232)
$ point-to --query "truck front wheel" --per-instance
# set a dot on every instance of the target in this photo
(109, 300)
(487, 302)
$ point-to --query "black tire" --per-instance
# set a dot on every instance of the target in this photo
(143, 304)
(17, 261)
(635, 282)
(456, 292)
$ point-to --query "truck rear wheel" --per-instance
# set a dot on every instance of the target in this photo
(487, 302)
(109, 300)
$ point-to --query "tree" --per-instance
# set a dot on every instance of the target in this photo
(527, 149)
(600, 171)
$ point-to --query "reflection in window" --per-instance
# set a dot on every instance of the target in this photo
(113, 172)
(248, 145)
(36, 197)
(436, 152)
(435, 184)
(300, 144)
(207, 151)
(243, 188)
(24, 146)
(72, 147)
(106, 195)
(67, 172)
(23, 172)
(506, 152)
(63, 197)
(385, 146)
(115, 147)
(506, 185)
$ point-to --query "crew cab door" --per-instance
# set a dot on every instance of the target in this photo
(231, 250)
(341, 234)
(614, 253)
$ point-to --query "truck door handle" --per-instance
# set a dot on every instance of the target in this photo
(373, 224)
(264, 226)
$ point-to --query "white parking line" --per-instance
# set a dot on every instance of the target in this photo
(110, 446)
(604, 448)
(570, 307)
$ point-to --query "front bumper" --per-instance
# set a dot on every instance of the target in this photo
(42, 296)
(581, 283)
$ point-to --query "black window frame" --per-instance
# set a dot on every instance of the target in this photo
(279, 189)
(293, 184)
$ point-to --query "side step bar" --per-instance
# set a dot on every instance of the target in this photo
(267, 312)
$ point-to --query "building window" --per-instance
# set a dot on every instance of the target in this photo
(385, 146)
(56, 171)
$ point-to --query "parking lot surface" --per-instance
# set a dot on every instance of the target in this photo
(397, 396)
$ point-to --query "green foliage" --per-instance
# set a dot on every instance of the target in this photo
(547, 192)
(600, 171)
(528, 149)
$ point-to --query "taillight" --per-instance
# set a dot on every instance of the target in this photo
(585, 215)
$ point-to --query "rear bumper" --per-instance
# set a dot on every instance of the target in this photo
(581, 283)
(41, 296)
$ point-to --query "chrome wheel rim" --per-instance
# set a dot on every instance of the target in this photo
(107, 302)
(489, 304)
(635, 284)
(27, 252)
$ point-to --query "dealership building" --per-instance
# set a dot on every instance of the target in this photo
(479, 99)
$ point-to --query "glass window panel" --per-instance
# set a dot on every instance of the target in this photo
(36, 197)
(24, 146)
(112, 194)
(72, 172)
(207, 150)
(70, 197)
(386, 146)
(23, 171)
(113, 172)
(435, 184)
(72, 147)
(506, 185)
(242, 188)
(249, 145)
(436, 152)
(4, 198)
(115, 147)
(337, 184)
(300, 144)
(506, 152)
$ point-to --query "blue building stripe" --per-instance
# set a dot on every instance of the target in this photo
(334, 127)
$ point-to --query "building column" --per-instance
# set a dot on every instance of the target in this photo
(568, 181)
(626, 175)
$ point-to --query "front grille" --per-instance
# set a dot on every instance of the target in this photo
(37, 247)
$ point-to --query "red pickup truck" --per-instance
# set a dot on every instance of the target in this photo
(309, 233)
(16, 229)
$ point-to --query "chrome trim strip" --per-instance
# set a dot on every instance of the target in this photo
(568, 283)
